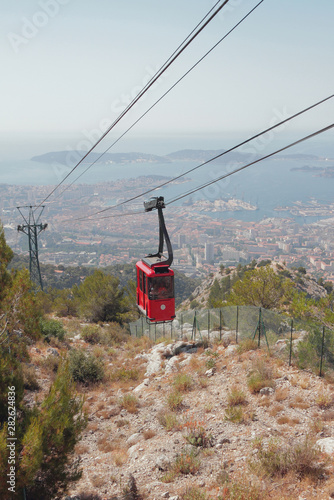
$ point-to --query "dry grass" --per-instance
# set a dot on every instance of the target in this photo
(235, 414)
(149, 433)
(275, 410)
(316, 425)
(129, 402)
(203, 382)
(120, 456)
(324, 400)
(236, 397)
(299, 402)
(287, 420)
(279, 459)
(265, 401)
(261, 375)
(247, 345)
(185, 463)
(281, 394)
(106, 446)
(97, 481)
(304, 383)
(122, 422)
(174, 400)
(168, 420)
(183, 382)
(328, 416)
(92, 426)
(81, 449)
(135, 345)
(29, 377)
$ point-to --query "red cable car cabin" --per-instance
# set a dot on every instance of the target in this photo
(155, 292)
(155, 279)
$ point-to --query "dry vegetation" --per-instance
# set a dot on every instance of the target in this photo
(197, 436)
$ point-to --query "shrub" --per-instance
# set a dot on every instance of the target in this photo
(129, 403)
(29, 378)
(122, 374)
(185, 463)
(130, 492)
(91, 334)
(196, 434)
(49, 440)
(247, 345)
(114, 334)
(241, 490)
(310, 349)
(174, 400)
(234, 414)
(260, 376)
(236, 397)
(277, 459)
(85, 368)
(182, 382)
(168, 420)
(324, 400)
(52, 328)
(193, 493)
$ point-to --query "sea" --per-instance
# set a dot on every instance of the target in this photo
(267, 184)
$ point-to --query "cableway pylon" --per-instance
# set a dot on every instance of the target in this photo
(32, 228)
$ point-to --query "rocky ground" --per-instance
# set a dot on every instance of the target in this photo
(186, 416)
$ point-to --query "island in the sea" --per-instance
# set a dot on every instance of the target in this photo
(71, 157)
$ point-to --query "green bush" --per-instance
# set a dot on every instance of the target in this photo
(91, 334)
(310, 349)
(52, 328)
(85, 367)
(183, 382)
(46, 437)
(123, 374)
(278, 459)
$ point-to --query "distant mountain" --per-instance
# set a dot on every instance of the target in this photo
(70, 158)
(300, 156)
(204, 155)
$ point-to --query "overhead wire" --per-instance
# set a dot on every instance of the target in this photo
(188, 40)
(299, 113)
(239, 169)
(202, 186)
(160, 98)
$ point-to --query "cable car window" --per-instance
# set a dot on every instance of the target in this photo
(144, 282)
(160, 287)
(140, 279)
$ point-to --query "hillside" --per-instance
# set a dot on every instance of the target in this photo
(302, 282)
(155, 405)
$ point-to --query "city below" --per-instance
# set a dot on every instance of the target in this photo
(200, 241)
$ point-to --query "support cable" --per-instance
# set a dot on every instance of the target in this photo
(202, 186)
(158, 100)
(207, 161)
(159, 73)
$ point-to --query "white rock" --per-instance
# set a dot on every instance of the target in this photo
(171, 365)
(326, 445)
(266, 391)
(230, 350)
(134, 439)
(142, 386)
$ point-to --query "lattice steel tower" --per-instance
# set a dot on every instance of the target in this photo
(32, 228)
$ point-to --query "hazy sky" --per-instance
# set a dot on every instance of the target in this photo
(70, 66)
